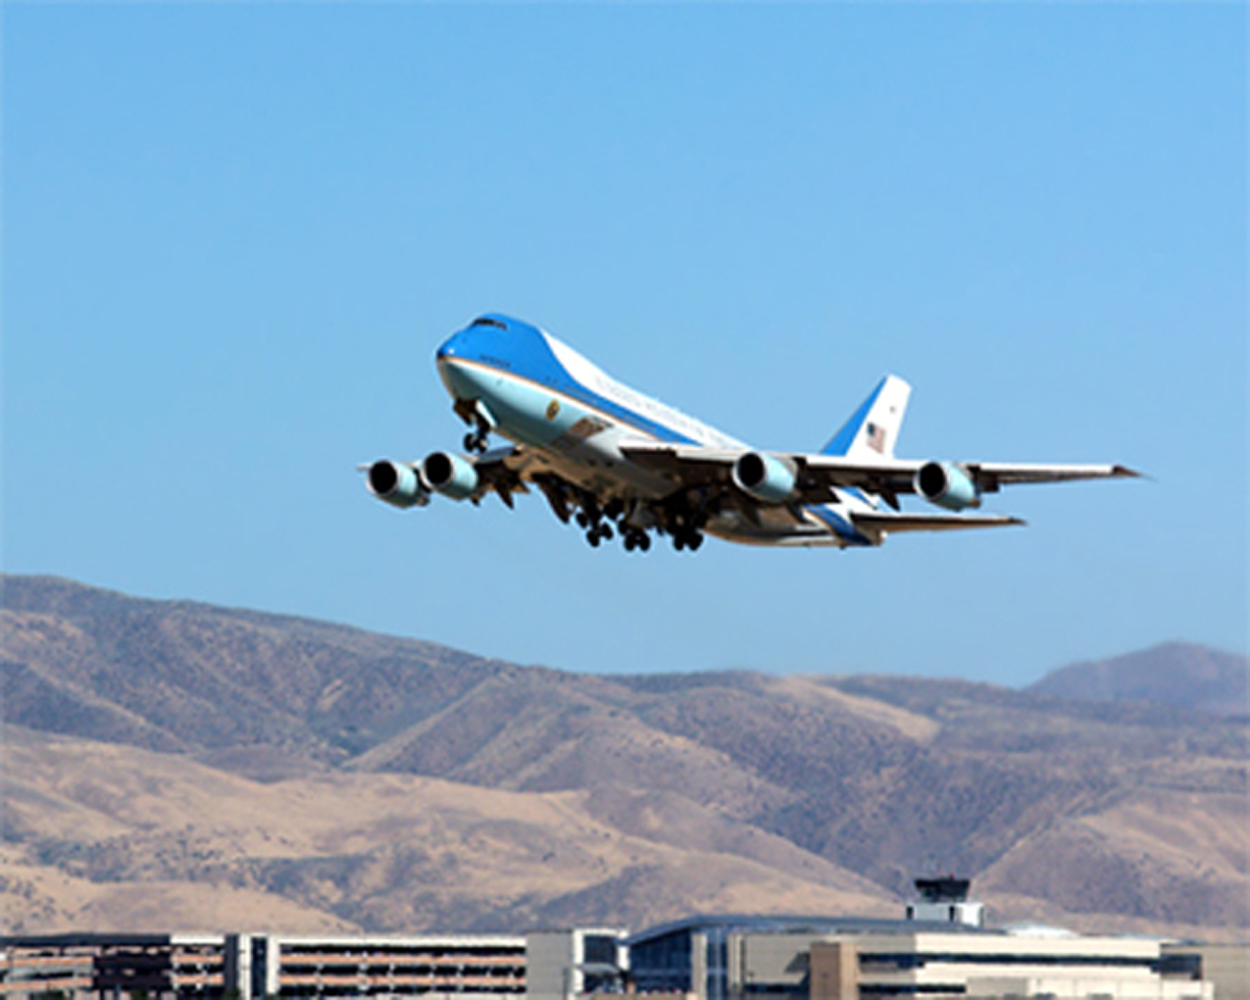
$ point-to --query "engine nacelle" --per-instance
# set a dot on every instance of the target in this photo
(448, 474)
(396, 484)
(764, 477)
(947, 485)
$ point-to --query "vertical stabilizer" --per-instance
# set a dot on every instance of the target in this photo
(873, 429)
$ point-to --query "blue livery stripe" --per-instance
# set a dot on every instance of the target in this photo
(841, 442)
(843, 528)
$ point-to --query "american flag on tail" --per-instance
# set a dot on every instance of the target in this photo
(875, 437)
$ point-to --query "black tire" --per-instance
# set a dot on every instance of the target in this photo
(593, 538)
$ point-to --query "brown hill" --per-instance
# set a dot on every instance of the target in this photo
(1177, 674)
(100, 835)
(729, 790)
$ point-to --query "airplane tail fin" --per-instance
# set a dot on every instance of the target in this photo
(873, 429)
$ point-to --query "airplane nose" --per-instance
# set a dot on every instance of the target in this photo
(463, 381)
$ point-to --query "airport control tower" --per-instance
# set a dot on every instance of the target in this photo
(946, 900)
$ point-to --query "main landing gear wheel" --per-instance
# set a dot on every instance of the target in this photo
(688, 540)
(597, 534)
(475, 441)
(636, 540)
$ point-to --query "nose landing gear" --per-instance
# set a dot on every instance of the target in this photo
(476, 413)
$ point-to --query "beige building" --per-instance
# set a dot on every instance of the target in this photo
(1225, 966)
(937, 964)
(804, 958)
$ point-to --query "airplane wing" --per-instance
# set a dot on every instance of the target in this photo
(503, 470)
(990, 475)
(815, 475)
(507, 470)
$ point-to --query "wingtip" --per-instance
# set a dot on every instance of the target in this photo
(1124, 472)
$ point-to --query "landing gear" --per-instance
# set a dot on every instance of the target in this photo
(614, 518)
(478, 415)
(599, 533)
(690, 539)
(590, 517)
(636, 539)
(685, 524)
(630, 520)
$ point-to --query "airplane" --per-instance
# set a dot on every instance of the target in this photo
(620, 463)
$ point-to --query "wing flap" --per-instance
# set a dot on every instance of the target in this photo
(692, 464)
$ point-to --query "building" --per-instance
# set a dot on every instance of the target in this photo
(940, 952)
(251, 966)
(945, 900)
(466, 966)
(1225, 966)
(181, 965)
(563, 964)
(1030, 963)
(807, 958)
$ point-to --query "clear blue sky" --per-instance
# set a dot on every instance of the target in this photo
(234, 236)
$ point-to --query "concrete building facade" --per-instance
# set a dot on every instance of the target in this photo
(563, 964)
(460, 965)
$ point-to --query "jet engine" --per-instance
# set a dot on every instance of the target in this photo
(450, 475)
(764, 477)
(396, 484)
(947, 485)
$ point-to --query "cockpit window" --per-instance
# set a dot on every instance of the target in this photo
(487, 321)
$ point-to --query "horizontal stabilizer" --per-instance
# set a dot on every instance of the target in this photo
(878, 525)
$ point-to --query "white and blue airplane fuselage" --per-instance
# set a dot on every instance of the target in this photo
(614, 458)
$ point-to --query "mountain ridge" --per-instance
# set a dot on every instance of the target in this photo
(1180, 674)
(769, 786)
